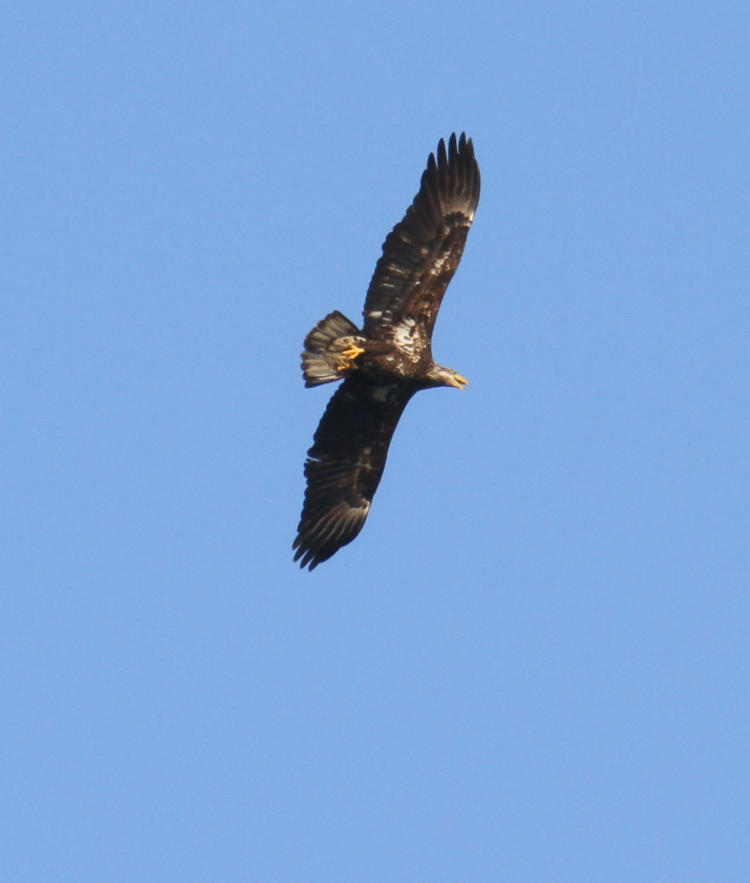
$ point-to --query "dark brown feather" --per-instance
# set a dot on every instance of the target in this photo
(421, 253)
(345, 465)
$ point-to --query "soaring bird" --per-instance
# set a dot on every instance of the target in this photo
(389, 359)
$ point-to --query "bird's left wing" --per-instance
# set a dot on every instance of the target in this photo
(344, 466)
(421, 253)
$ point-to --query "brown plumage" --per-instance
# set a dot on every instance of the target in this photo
(390, 359)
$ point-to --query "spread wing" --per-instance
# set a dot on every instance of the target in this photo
(345, 464)
(421, 253)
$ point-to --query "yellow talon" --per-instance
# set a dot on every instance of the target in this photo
(352, 353)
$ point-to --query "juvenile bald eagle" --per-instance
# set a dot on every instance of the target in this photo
(390, 359)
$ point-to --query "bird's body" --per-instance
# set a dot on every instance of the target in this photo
(389, 359)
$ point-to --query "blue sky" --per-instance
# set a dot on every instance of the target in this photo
(533, 663)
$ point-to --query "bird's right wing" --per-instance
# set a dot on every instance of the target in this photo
(344, 466)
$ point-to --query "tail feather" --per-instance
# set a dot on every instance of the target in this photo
(322, 347)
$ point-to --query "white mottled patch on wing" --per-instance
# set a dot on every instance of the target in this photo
(403, 333)
(437, 266)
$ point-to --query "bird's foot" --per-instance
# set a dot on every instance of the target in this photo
(346, 357)
(352, 352)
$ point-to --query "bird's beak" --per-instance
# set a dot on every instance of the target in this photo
(459, 382)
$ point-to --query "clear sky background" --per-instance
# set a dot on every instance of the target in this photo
(534, 662)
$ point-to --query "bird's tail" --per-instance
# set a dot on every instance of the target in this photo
(324, 345)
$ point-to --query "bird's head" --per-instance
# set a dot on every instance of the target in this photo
(439, 375)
